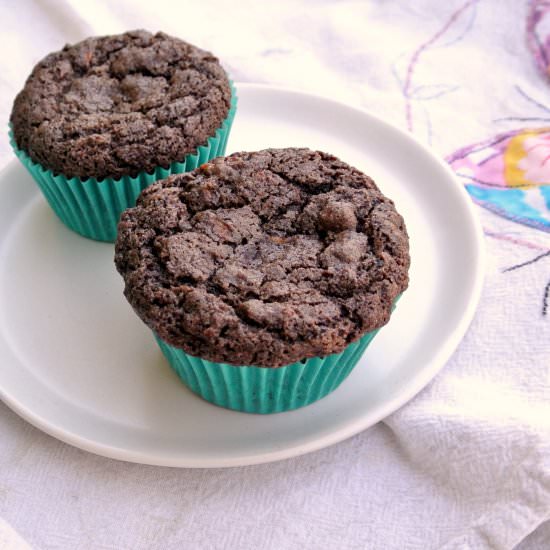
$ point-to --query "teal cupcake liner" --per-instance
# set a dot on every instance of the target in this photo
(92, 207)
(265, 390)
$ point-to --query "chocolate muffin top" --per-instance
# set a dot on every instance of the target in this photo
(263, 258)
(117, 105)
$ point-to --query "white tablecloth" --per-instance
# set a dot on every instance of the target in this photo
(466, 464)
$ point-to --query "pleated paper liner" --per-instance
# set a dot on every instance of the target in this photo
(93, 207)
(265, 390)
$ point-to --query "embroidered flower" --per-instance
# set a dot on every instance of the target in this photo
(527, 159)
(510, 175)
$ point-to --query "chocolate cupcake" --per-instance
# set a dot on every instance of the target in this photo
(264, 275)
(100, 120)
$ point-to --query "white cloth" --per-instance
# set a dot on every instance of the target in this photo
(466, 464)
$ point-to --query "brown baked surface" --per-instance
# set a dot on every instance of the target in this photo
(119, 105)
(263, 258)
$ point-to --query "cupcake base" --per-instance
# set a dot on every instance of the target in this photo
(92, 207)
(265, 390)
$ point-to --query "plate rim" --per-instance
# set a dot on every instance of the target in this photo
(420, 380)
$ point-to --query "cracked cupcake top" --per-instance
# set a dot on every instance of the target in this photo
(118, 105)
(263, 258)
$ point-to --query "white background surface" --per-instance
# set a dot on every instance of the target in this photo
(75, 350)
(465, 464)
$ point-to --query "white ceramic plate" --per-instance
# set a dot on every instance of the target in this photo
(77, 363)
